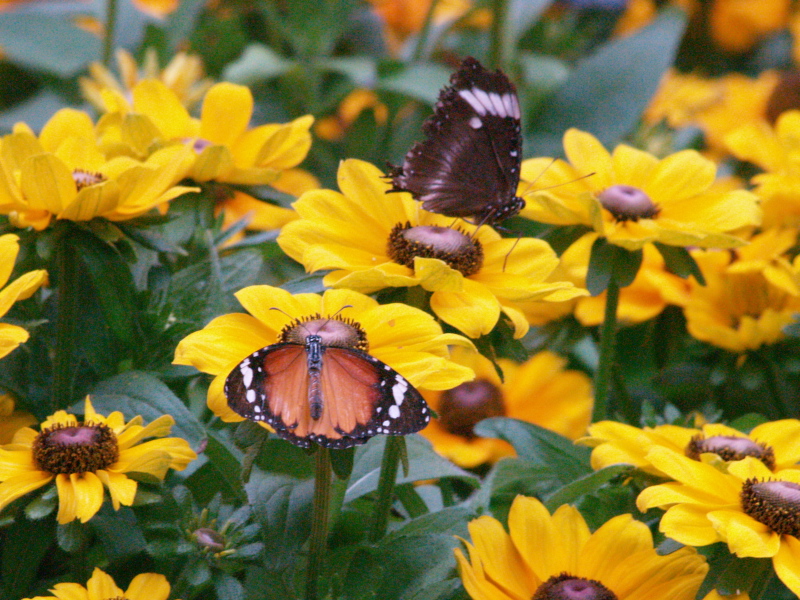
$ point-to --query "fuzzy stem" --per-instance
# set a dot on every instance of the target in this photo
(111, 25)
(608, 334)
(497, 49)
(773, 380)
(66, 315)
(319, 524)
(389, 464)
(420, 49)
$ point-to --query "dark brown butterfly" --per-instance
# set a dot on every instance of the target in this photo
(469, 165)
(334, 396)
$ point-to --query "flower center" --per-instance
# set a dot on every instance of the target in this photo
(79, 448)
(467, 404)
(335, 331)
(209, 539)
(776, 504)
(729, 448)
(567, 587)
(454, 247)
(627, 203)
(86, 178)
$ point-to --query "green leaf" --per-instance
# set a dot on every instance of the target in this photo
(342, 462)
(139, 393)
(540, 446)
(72, 536)
(118, 531)
(421, 81)
(452, 520)
(424, 463)
(225, 461)
(256, 64)
(25, 544)
(607, 92)
(608, 261)
(49, 43)
(626, 265)
(570, 493)
(228, 587)
(680, 261)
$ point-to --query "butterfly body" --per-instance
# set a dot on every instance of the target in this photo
(469, 164)
(334, 396)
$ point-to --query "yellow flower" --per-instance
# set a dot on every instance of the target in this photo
(737, 26)
(473, 274)
(334, 127)
(184, 75)
(64, 174)
(776, 444)
(776, 151)
(226, 150)
(12, 420)
(539, 391)
(405, 338)
(717, 106)
(21, 288)
(631, 198)
(544, 553)
(101, 586)
(749, 297)
(750, 508)
(83, 456)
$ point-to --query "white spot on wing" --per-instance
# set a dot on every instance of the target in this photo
(394, 411)
(475, 123)
(247, 373)
(250, 396)
(484, 99)
(497, 104)
(399, 390)
(473, 101)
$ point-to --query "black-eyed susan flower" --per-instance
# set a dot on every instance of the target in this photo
(775, 443)
(374, 241)
(12, 420)
(101, 586)
(225, 148)
(21, 288)
(545, 557)
(85, 456)
(63, 174)
(184, 75)
(750, 295)
(749, 507)
(405, 338)
(632, 198)
(774, 149)
(539, 391)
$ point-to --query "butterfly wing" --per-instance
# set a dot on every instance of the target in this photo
(469, 165)
(361, 396)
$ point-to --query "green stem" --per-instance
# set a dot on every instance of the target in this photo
(319, 524)
(111, 25)
(497, 50)
(773, 378)
(608, 334)
(424, 32)
(66, 315)
(389, 464)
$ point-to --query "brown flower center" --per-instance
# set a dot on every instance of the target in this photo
(785, 96)
(86, 178)
(335, 331)
(776, 504)
(209, 539)
(467, 404)
(454, 247)
(79, 448)
(729, 448)
(627, 203)
(567, 587)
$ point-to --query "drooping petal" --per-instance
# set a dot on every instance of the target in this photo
(18, 485)
(148, 586)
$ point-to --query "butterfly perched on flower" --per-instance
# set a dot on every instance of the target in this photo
(319, 385)
(469, 164)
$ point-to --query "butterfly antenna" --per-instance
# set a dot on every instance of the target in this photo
(557, 185)
(505, 260)
(535, 179)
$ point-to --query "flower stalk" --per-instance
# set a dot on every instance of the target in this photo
(111, 25)
(608, 335)
(386, 482)
(67, 313)
(320, 521)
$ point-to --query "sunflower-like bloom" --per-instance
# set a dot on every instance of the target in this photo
(84, 456)
(775, 150)
(21, 288)
(717, 106)
(405, 338)
(556, 556)
(632, 198)
(64, 174)
(184, 75)
(334, 127)
(226, 149)
(750, 295)
(374, 240)
(101, 586)
(749, 507)
(12, 420)
(775, 443)
(538, 391)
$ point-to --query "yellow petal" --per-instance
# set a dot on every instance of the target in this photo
(148, 586)
(92, 201)
(680, 176)
(615, 540)
(745, 536)
(787, 563)
(18, 485)
(474, 311)
(101, 585)
(436, 276)
(11, 336)
(499, 557)
(689, 525)
(9, 248)
(21, 288)
(588, 156)
(164, 108)
(47, 183)
(226, 112)
(121, 489)
(80, 496)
